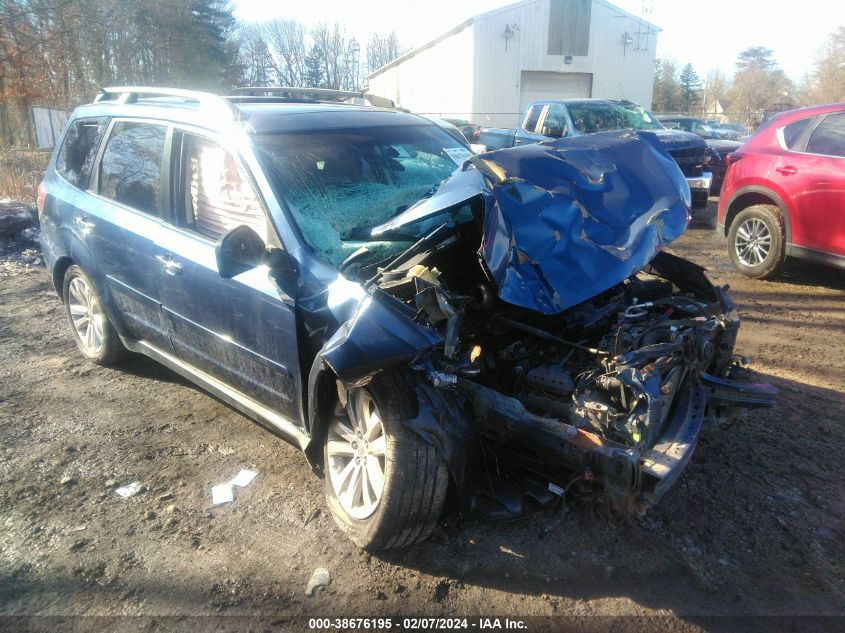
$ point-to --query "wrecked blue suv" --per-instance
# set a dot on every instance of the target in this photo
(435, 330)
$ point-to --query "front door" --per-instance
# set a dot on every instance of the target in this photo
(242, 330)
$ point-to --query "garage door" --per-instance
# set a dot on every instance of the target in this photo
(538, 86)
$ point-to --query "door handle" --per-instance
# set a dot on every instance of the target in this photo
(171, 267)
(787, 170)
(83, 223)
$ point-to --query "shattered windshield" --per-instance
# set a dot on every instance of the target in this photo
(589, 118)
(337, 183)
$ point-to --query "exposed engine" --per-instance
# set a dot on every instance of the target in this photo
(611, 365)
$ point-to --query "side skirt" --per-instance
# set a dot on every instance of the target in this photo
(813, 255)
(265, 417)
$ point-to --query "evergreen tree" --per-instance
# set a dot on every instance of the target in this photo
(690, 87)
(666, 95)
(313, 76)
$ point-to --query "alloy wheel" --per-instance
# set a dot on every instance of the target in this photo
(86, 315)
(753, 242)
(356, 448)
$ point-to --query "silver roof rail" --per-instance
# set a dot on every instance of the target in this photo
(205, 100)
(327, 94)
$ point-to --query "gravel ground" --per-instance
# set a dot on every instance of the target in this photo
(755, 526)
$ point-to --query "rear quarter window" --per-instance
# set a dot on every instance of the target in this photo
(792, 132)
(829, 137)
(76, 155)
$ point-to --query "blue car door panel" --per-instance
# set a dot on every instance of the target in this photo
(240, 330)
(122, 222)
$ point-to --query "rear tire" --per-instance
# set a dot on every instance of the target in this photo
(415, 479)
(92, 330)
(757, 241)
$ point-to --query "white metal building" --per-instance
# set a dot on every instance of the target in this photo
(491, 66)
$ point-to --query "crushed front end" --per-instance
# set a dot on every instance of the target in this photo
(582, 350)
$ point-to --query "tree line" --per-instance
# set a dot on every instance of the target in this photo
(57, 53)
(758, 84)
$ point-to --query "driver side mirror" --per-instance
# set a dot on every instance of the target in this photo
(554, 131)
(239, 250)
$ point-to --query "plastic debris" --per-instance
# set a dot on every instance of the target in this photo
(319, 578)
(129, 490)
(222, 493)
(243, 478)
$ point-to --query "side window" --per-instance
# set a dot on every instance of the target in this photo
(530, 124)
(829, 137)
(792, 132)
(217, 195)
(556, 118)
(130, 170)
(76, 155)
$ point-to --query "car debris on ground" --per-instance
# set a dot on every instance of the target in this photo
(225, 493)
(320, 577)
(129, 490)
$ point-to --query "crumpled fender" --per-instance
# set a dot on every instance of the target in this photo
(380, 335)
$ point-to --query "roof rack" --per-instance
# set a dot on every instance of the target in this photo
(205, 100)
(311, 94)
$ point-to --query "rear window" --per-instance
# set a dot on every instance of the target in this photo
(829, 137)
(130, 171)
(792, 132)
(76, 155)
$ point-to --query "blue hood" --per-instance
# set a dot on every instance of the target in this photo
(568, 219)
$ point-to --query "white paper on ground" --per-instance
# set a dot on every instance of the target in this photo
(222, 494)
(129, 490)
(243, 478)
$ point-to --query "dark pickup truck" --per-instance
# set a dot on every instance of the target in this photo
(559, 118)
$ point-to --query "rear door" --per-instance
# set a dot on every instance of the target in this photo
(129, 190)
(814, 177)
(242, 330)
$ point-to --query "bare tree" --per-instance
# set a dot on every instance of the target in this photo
(331, 46)
(758, 84)
(256, 62)
(826, 84)
(716, 88)
(383, 49)
(287, 43)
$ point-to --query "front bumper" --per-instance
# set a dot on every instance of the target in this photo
(700, 183)
(632, 479)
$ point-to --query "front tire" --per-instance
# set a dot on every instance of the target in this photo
(385, 486)
(92, 330)
(757, 241)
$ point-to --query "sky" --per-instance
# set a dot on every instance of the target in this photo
(707, 33)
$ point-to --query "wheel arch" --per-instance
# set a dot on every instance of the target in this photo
(756, 194)
(439, 420)
(59, 270)
(322, 399)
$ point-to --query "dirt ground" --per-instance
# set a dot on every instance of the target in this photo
(755, 525)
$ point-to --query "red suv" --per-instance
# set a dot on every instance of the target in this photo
(784, 192)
